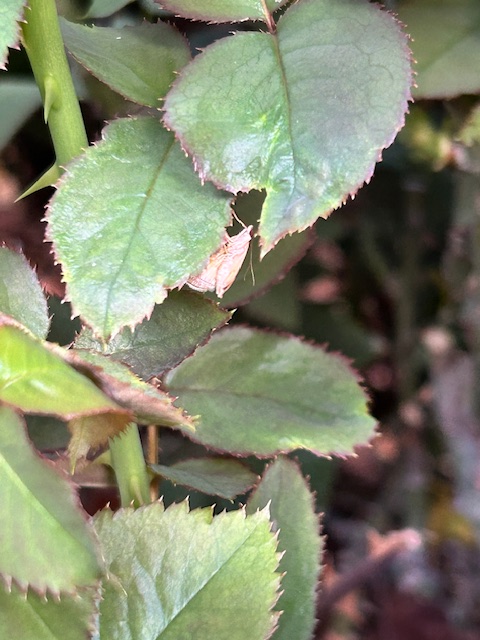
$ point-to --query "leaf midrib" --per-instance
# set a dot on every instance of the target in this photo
(209, 579)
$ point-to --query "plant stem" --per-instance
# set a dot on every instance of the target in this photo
(46, 52)
(130, 469)
(44, 46)
(152, 457)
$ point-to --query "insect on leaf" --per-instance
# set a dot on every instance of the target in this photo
(223, 265)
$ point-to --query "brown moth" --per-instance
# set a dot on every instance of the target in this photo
(223, 265)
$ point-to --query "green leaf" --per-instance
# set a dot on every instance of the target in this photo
(30, 617)
(304, 112)
(11, 12)
(213, 476)
(446, 45)
(293, 512)
(129, 220)
(105, 8)
(21, 295)
(18, 100)
(221, 10)
(124, 58)
(175, 574)
(260, 393)
(173, 332)
(36, 380)
(148, 404)
(44, 538)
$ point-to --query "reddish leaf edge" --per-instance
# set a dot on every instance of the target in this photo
(338, 454)
(15, 44)
(204, 175)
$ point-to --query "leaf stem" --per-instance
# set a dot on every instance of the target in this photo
(272, 27)
(130, 469)
(44, 46)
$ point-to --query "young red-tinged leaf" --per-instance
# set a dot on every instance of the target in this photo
(222, 10)
(214, 476)
(45, 541)
(11, 12)
(178, 574)
(260, 393)
(445, 45)
(124, 58)
(147, 224)
(147, 403)
(305, 113)
(292, 510)
(31, 617)
(21, 295)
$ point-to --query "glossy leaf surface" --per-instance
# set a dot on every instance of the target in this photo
(35, 380)
(305, 112)
(446, 45)
(21, 295)
(44, 538)
(221, 10)
(292, 509)
(30, 617)
(174, 330)
(146, 224)
(213, 476)
(124, 58)
(260, 393)
(11, 12)
(175, 574)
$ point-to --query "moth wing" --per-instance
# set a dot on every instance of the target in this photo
(235, 252)
(206, 280)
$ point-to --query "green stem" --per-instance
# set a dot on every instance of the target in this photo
(46, 52)
(44, 46)
(130, 469)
